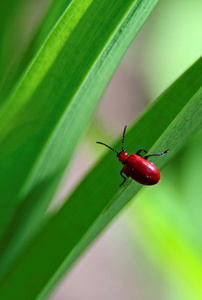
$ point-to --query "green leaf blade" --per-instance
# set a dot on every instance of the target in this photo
(63, 78)
(71, 230)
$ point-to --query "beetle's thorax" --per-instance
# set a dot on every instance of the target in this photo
(123, 156)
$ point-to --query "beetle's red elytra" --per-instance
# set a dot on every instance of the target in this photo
(136, 166)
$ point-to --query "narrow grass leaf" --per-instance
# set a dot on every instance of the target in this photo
(45, 116)
(49, 16)
(168, 123)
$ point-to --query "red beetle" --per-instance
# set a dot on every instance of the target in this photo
(136, 166)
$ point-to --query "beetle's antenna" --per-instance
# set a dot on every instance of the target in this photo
(124, 131)
(108, 147)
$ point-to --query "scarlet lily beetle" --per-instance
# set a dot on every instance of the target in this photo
(136, 166)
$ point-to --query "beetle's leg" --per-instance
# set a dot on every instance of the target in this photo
(166, 151)
(121, 173)
(140, 150)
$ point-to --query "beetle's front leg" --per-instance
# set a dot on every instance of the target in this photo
(159, 154)
(121, 173)
(140, 150)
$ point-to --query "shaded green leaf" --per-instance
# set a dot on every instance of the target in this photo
(49, 15)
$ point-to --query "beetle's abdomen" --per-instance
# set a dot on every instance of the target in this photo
(141, 170)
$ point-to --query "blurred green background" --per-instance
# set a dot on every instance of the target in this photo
(153, 249)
